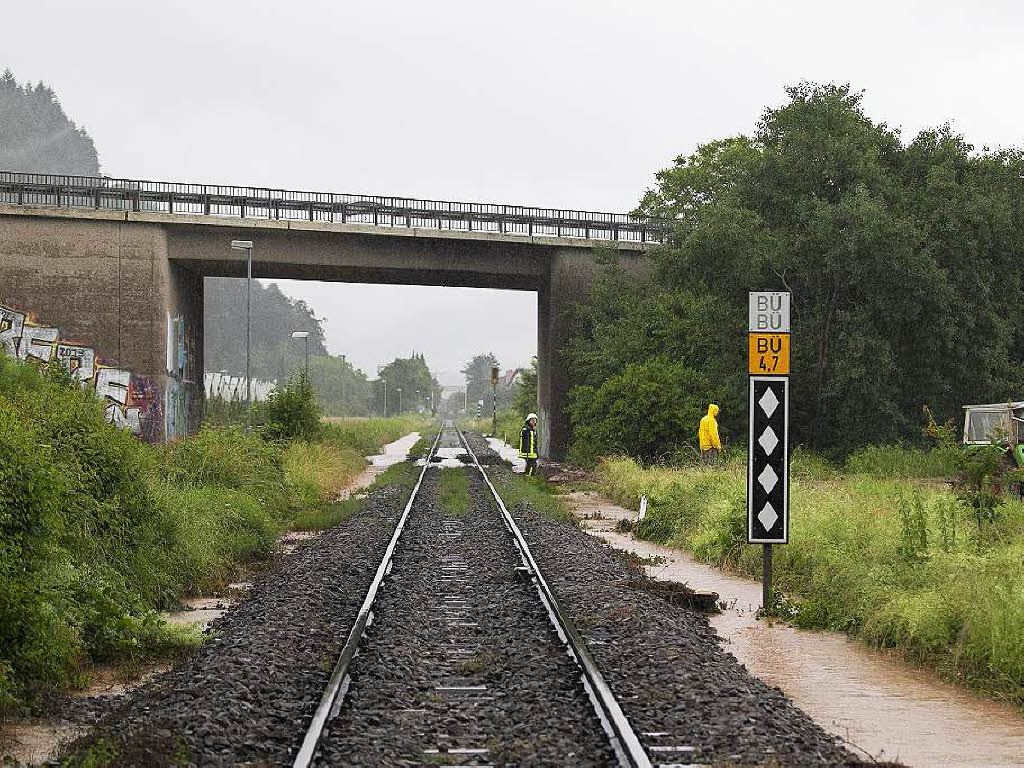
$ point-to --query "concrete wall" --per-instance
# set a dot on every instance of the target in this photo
(129, 286)
(96, 295)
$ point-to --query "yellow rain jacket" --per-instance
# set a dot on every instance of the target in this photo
(708, 433)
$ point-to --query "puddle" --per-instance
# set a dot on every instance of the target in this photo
(884, 707)
(35, 743)
(201, 611)
(449, 457)
(508, 453)
(392, 453)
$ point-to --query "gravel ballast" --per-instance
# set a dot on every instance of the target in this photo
(664, 662)
(247, 695)
(461, 664)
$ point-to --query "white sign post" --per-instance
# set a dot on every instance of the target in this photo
(768, 437)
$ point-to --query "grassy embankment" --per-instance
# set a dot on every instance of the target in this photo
(98, 531)
(879, 548)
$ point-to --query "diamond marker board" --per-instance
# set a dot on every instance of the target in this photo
(768, 461)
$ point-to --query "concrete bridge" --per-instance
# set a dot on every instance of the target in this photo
(105, 275)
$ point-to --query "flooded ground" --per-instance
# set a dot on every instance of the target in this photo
(35, 741)
(879, 705)
(392, 453)
(508, 453)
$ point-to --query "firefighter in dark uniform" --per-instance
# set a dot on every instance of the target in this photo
(528, 444)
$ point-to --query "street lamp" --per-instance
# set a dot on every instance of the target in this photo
(385, 380)
(246, 245)
(419, 402)
(399, 391)
(303, 335)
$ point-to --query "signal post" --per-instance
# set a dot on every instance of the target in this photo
(768, 345)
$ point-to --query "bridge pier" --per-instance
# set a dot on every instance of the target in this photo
(102, 297)
(116, 296)
(571, 274)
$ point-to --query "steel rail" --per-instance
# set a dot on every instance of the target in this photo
(624, 739)
(105, 193)
(331, 701)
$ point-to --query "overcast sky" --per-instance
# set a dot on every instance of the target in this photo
(562, 104)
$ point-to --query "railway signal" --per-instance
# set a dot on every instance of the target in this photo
(494, 400)
(768, 345)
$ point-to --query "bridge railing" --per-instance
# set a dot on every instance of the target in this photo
(264, 203)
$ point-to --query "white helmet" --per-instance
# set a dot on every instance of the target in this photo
(532, 416)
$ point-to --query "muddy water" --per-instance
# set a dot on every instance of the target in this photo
(879, 705)
(36, 741)
(392, 453)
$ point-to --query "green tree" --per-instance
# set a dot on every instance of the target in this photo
(275, 354)
(36, 136)
(525, 401)
(478, 379)
(341, 389)
(413, 377)
(902, 261)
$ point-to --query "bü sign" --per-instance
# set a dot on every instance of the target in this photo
(768, 436)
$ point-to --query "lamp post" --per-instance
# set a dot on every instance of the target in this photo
(399, 391)
(303, 335)
(385, 380)
(246, 245)
(419, 402)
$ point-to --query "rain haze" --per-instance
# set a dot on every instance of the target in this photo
(567, 105)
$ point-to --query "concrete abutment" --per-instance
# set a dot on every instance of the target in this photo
(118, 296)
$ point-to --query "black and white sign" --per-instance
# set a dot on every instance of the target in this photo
(768, 461)
(768, 312)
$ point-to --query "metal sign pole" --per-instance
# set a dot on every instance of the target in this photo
(768, 345)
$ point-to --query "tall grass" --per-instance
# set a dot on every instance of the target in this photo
(453, 491)
(98, 531)
(900, 563)
(367, 436)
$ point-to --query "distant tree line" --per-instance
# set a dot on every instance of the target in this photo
(37, 137)
(342, 390)
(410, 386)
(903, 260)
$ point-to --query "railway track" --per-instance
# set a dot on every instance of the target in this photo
(460, 653)
(457, 660)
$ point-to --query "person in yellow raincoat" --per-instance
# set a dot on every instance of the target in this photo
(710, 444)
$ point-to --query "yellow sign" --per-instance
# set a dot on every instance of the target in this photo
(769, 354)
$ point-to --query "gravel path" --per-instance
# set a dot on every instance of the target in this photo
(461, 664)
(247, 694)
(664, 663)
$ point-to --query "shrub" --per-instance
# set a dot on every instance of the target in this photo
(649, 411)
(293, 412)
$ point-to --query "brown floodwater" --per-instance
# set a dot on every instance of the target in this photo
(879, 705)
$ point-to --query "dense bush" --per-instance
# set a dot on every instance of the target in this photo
(650, 410)
(78, 536)
(98, 530)
(292, 412)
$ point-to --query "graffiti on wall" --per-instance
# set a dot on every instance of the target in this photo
(130, 402)
(228, 387)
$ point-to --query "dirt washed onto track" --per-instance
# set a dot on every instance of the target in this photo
(248, 694)
(461, 657)
(664, 663)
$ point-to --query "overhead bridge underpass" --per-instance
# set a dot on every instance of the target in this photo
(106, 275)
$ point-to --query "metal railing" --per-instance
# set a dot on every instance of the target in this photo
(103, 193)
